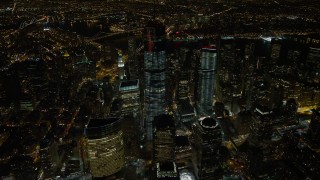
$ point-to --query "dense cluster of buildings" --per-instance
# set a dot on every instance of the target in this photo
(158, 91)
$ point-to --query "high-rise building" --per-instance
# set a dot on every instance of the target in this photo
(183, 150)
(186, 111)
(154, 73)
(207, 138)
(183, 89)
(207, 70)
(184, 76)
(261, 128)
(164, 138)
(133, 63)
(121, 73)
(130, 95)
(72, 169)
(105, 147)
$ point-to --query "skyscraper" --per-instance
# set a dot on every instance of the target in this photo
(120, 65)
(164, 139)
(207, 141)
(207, 69)
(105, 147)
(130, 95)
(154, 73)
(133, 63)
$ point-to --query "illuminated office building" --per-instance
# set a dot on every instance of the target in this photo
(130, 95)
(133, 63)
(183, 88)
(154, 73)
(105, 147)
(207, 70)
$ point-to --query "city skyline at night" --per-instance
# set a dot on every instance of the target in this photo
(159, 89)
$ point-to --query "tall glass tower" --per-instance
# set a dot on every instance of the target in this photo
(154, 73)
(207, 70)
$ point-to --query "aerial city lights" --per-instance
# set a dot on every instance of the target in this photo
(164, 89)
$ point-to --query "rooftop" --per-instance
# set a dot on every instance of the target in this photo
(129, 85)
(208, 122)
(209, 48)
(163, 121)
(94, 123)
(166, 166)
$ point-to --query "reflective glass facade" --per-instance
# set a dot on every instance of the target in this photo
(206, 77)
(154, 73)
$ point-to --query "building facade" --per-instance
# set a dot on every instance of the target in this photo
(207, 138)
(207, 70)
(130, 95)
(104, 146)
(154, 73)
(163, 139)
